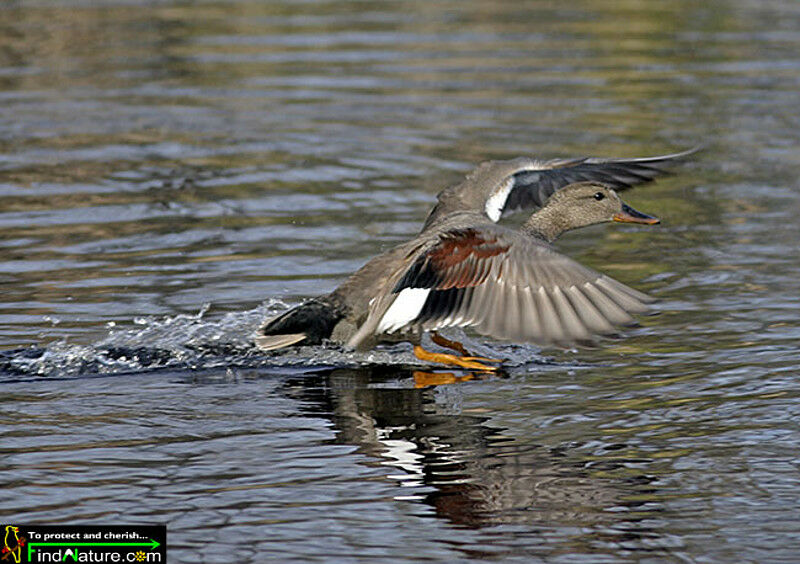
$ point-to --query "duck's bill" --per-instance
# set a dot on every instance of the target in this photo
(630, 215)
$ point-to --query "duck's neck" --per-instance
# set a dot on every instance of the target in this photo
(547, 224)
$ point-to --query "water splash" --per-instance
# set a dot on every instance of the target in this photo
(195, 342)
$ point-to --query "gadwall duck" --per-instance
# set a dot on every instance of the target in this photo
(499, 188)
(465, 271)
(492, 189)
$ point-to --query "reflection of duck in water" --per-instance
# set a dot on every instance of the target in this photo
(11, 544)
(471, 472)
(465, 271)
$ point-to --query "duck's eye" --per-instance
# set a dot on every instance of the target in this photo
(599, 196)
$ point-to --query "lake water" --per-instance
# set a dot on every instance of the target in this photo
(172, 172)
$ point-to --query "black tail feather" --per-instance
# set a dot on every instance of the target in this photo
(315, 319)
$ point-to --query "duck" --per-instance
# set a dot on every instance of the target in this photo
(492, 190)
(466, 271)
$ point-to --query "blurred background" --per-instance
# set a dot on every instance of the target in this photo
(173, 171)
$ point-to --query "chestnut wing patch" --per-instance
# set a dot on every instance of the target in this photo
(460, 259)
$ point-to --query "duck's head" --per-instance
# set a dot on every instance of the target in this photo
(582, 204)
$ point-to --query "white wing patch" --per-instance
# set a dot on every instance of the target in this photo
(405, 309)
(497, 201)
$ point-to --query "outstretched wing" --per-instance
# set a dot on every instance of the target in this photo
(535, 181)
(506, 285)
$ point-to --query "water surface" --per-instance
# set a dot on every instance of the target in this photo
(171, 173)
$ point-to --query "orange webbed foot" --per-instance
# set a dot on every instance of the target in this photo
(470, 363)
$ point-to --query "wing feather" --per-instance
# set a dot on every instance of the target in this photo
(573, 326)
(610, 309)
(625, 300)
(594, 320)
(509, 286)
(532, 319)
(535, 181)
(552, 331)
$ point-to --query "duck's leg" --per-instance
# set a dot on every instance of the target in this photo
(451, 359)
(459, 348)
